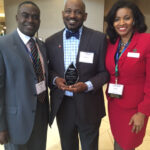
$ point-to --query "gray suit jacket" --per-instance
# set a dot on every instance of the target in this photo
(17, 88)
(90, 105)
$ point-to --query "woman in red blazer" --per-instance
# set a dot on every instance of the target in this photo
(128, 62)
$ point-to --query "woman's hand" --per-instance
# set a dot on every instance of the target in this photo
(137, 122)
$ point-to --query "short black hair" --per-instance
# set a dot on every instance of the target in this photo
(28, 2)
(139, 19)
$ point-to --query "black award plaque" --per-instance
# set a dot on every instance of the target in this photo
(71, 75)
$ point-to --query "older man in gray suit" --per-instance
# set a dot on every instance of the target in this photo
(77, 73)
(23, 80)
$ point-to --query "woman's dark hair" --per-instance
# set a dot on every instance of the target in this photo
(139, 20)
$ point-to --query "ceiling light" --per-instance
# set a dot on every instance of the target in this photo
(2, 15)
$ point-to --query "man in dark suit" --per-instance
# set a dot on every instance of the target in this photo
(23, 90)
(79, 107)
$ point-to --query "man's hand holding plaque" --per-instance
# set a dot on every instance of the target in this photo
(61, 83)
(78, 87)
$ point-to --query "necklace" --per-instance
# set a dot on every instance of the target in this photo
(123, 44)
(127, 43)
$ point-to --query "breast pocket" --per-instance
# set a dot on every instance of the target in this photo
(134, 64)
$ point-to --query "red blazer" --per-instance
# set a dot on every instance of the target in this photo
(134, 73)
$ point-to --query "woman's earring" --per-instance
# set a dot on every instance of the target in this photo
(133, 23)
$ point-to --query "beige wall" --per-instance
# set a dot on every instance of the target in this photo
(51, 17)
(95, 10)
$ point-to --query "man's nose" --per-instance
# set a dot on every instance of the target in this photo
(72, 14)
(30, 19)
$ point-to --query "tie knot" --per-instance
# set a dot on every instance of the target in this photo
(31, 41)
(70, 34)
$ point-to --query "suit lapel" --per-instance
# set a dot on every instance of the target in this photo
(129, 49)
(83, 43)
(114, 51)
(60, 53)
(122, 59)
(21, 50)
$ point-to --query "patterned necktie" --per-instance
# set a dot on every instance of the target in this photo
(70, 34)
(37, 66)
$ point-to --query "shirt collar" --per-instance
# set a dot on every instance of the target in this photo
(24, 37)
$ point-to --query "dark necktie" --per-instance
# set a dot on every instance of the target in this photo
(37, 66)
(70, 34)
